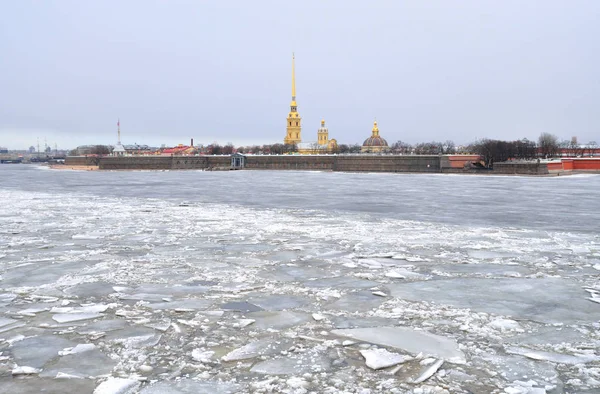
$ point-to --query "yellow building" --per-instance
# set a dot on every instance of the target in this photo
(294, 121)
(375, 144)
(322, 145)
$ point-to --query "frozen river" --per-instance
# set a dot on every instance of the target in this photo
(297, 282)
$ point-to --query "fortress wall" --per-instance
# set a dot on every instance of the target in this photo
(521, 168)
(388, 163)
(136, 163)
(82, 160)
(164, 162)
(291, 162)
(345, 163)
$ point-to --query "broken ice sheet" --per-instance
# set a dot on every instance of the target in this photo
(75, 317)
(82, 364)
(550, 300)
(189, 386)
(553, 357)
(277, 320)
(261, 347)
(299, 364)
(190, 304)
(278, 302)
(37, 351)
(408, 339)
(381, 358)
(117, 386)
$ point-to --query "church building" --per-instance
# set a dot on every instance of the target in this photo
(294, 128)
(375, 144)
(294, 125)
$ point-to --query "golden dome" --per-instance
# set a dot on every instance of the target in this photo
(322, 122)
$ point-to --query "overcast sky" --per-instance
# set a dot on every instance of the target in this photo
(221, 70)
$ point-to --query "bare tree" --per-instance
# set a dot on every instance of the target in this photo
(401, 147)
(100, 150)
(290, 148)
(343, 148)
(449, 148)
(214, 149)
(548, 144)
(355, 148)
(227, 149)
(591, 147)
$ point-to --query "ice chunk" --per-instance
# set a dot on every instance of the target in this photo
(62, 375)
(241, 323)
(360, 322)
(345, 282)
(403, 273)
(318, 316)
(505, 325)
(264, 346)
(102, 326)
(278, 302)
(191, 304)
(278, 320)
(292, 366)
(73, 317)
(97, 308)
(189, 386)
(204, 356)
(241, 306)
(360, 301)
(553, 357)
(80, 348)
(117, 386)
(25, 370)
(81, 364)
(381, 358)
(409, 340)
(394, 274)
(5, 321)
(429, 371)
(551, 300)
(37, 351)
(92, 289)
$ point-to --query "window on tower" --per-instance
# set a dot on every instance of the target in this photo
(296, 123)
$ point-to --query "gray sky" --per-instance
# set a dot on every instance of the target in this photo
(220, 70)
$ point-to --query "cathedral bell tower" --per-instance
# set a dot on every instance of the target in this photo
(294, 125)
(323, 134)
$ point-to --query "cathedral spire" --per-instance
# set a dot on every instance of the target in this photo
(293, 79)
(294, 128)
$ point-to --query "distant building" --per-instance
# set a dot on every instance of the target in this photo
(119, 149)
(375, 144)
(136, 150)
(3, 149)
(83, 150)
(180, 150)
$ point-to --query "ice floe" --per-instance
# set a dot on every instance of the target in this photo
(381, 358)
(409, 340)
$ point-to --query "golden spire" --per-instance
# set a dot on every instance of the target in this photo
(293, 80)
(375, 129)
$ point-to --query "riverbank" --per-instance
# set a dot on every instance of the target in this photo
(73, 167)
